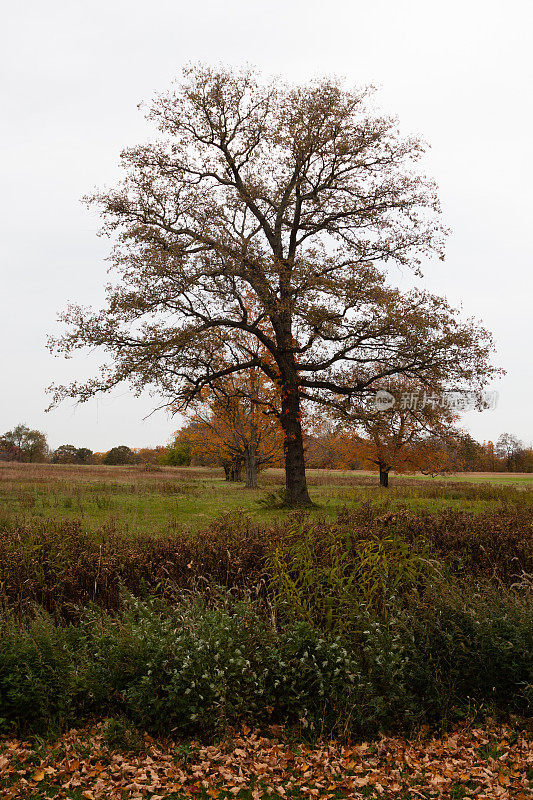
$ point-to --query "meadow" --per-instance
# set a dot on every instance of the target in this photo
(177, 619)
(135, 501)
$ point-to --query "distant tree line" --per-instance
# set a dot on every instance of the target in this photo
(211, 442)
(24, 444)
(332, 447)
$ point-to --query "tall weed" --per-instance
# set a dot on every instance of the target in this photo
(326, 574)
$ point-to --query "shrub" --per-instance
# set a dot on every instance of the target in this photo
(60, 566)
(193, 669)
(177, 455)
(119, 456)
(41, 681)
(469, 649)
(210, 667)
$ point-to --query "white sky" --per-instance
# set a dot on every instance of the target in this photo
(457, 73)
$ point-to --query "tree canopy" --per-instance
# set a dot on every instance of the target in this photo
(120, 455)
(24, 444)
(409, 430)
(234, 422)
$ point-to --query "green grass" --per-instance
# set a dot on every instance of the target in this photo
(135, 502)
(496, 478)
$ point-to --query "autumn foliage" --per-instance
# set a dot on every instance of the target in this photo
(237, 426)
(113, 760)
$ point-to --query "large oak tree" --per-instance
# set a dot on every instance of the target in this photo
(300, 197)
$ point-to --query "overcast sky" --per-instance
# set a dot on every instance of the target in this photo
(457, 73)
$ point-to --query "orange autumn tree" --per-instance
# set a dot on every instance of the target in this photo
(405, 427)
(329, 446)
(237, 425)
(208, 445)
(237, 416)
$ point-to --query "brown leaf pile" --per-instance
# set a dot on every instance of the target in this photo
(493, 762)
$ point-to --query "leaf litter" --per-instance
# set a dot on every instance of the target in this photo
(495, 761)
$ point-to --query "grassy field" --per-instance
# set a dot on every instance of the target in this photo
(133, 501)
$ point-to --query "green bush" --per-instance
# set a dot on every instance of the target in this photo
(473, 650)
(184, 672)
(41, 673)
(209, 667)
(193, 669)
(317, 681)
(177, 455)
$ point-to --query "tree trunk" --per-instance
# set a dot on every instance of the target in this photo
(383, 476)
(250, 464)
(295, 480)
(237, 470)
(250, 453)
(233, 470)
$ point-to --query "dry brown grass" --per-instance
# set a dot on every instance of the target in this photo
(12, 472)
(16, 473)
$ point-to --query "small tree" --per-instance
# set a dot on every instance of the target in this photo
(69, 454)
(120, 456)
(83, 455)
(240, 416)
(469, 455)
(490, 455)
(236, 431)
(526, 460)
(407, 430)
(65, 454)
(177, 454)
(510, 448)
(148, 455)
(9, 451)
(300, 197)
